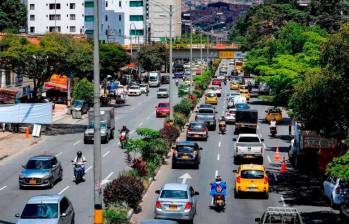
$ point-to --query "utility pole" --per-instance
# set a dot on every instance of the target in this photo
(207, 48)
(201, 45)
(97, 163)
(191, 58)
(170, 28)
(139, 63)
(145, 34)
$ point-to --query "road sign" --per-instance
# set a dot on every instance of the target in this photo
(226, 54)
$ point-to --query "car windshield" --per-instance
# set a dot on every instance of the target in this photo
(185, 149)
(214, 88)
(162, 90)
(103, 125)
(196, 125)
(274, 110)
(40, 211)
(243, 91)
(204, 118)
(77, 103)
(179, 69)
(163, 105)
(252, 174)
(248, 139)
(175, 194)
(143, 85)
(153, 78)
(134, 87)
(38, 164)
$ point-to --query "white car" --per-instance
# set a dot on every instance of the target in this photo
(215, 89)
(230, 116)
(162, 93)
(248, 146)
(239, 99)
(134, 91)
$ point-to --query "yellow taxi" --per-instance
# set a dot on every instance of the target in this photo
(211, 98)
(273, 112)
(251, 178)
(235, 85)
(245, 93)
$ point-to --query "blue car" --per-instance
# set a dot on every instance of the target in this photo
(242, 106)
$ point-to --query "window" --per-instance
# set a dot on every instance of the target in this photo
(89, 32)
(32, 6)
(72, 5)
(55, 29)
(136, 3)
(55, 6)
(106, 3)
(120, 4)
(55, 17)
(119, 31)
(106, 18)
(32, 29)
(89, 18)
(72, 29)
(136, 32)
(72, 16)
(120, 18)
(136, 18)
(89, 4)
(32, 17)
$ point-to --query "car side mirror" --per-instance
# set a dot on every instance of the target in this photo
(54, 166)
(17, 215)
(196, 193)
(156, 106)
(257, 219)
(235, 171)
(201, 148)
(63, 214)
(23, 166)
(196, 111)
(262, 139)
(234, 139)
(157, 192)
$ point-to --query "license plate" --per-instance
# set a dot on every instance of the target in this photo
(32, 181)
(219, 201)
(197, 136)
(173, 207)
(242, 125)
(185, 157)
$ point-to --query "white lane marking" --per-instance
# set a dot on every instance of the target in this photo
(264, 146)
(76, 143)
(105, 154)
(64, 189)
(106, 180)
(216, 173)
(219, 144)
(269, 160)
(3, 188)
(283, 200)
(133, 131)
(218, 156)
(140, 124)
(275, 176)
(185, 177)
(109, 175)
(58, 154)
(90, 167)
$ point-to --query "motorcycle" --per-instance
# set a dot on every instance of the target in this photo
(222, 127)
(123, 139)
(218, 193)
(177, 82)
(273, 131)
(79, 172)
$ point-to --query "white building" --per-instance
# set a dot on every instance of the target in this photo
(159, 19)
(64, 16)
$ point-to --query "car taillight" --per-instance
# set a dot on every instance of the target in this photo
(237, 149)
(187, 205)
(262, 149)
(266, 180)
(338, 190)
(157, 204)
(175, 153)
(206, 129)
(196, 117)
(238, 179)
(189, 129)
(195, 153)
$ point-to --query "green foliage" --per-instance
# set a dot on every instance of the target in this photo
(113, 56)
(184, 107)
(339, 167)
(180, 119)
(115, 213)
(13, 15)
(84, 91)
(153, 57)
(124, 189)
(170, 133)
(183, 90)
(148, 133)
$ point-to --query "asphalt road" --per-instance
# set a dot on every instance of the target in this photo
(139, 112)
(217, 159)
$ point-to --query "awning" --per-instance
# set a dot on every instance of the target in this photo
(8, 95)
(57, 82)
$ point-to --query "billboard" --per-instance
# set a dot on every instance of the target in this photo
(226, 54)
(27, 113)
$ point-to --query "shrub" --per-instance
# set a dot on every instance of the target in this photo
(84, 91)
(148, 133)
(183, 107)
(151, 168)
(140, 166)
(180, 119)
(154, 147)
(170, 133)
(124, 189)
(115, 214)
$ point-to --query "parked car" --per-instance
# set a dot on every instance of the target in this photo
(197, 130)
(50, 209)
(344, 209)
(41, 171)
(208, 119)
(186, 153)
(176, 201)
(162, 93)
(80, 107)
(280, 215)
(162, 109)
(332, 189)
(251, 178)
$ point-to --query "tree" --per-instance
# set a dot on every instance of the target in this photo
(13, 15)
(113, 56)
(339, 167)
(84, 91)
(153, 57)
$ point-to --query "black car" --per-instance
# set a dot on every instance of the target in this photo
(208, 119)
(186, 153)
(206, 109)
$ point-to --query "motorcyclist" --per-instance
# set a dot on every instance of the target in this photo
(177, 82)
(124, 129)
(80, 160)
(218, 187)
(272, 126)
(222, 124)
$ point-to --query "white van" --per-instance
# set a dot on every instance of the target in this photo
(154, 79)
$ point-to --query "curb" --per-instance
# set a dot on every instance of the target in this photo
(3, 157)
(9, 135)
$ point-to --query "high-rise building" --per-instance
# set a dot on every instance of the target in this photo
(159, 19)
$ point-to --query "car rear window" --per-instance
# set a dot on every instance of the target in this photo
(175, 194)
(248, 139)
(163, 105)
(185, 149)
(204, 118)
(40, 211)
(206, 111)
(196, 125)
(252, 174)
(282, 219)
(162, 90)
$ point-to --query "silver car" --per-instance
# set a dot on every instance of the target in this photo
(48, 209)
(163, 93)
(176, 201)
(41, 171)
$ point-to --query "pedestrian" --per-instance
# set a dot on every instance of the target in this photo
(3, 127)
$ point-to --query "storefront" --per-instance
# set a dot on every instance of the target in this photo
(56, 89)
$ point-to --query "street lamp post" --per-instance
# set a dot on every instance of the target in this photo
(207, 48)
(134, 25)
(97, 160)
(200, 46)
(170, 28)
(191, 59)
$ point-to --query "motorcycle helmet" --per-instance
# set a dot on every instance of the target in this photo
(79, 153)
(218, 178)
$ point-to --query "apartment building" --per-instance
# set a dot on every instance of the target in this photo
(63, 16)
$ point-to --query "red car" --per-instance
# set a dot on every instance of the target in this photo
(216, 82)
(163, 109)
